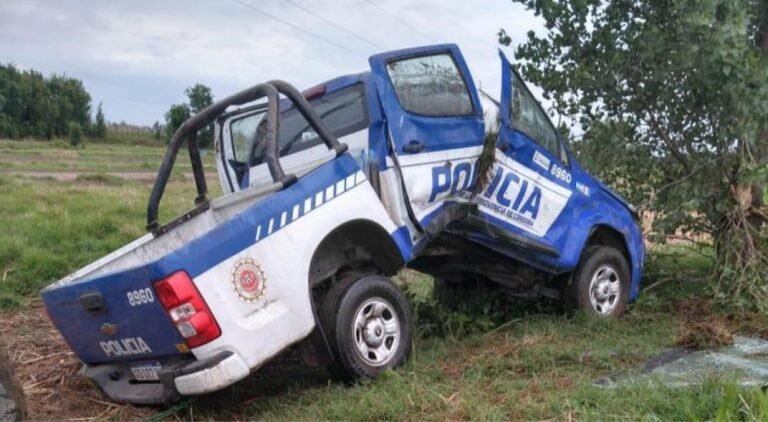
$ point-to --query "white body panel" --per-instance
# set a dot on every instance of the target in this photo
(258, 330)
(417, 171)
(552, 199)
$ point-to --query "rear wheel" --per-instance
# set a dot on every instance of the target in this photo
(601, 281)
(368, 323)
(12, 407)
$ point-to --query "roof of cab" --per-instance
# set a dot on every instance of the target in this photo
(342, 81)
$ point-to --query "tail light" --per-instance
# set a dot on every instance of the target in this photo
(187, 309)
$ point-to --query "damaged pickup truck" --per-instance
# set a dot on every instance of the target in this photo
(327, 194)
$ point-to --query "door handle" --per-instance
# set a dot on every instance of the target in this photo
(413, 147)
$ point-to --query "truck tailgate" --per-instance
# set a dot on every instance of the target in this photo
(115, 317)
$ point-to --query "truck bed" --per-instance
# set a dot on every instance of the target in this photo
(92, 308)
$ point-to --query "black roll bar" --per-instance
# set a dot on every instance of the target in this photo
(188, 132)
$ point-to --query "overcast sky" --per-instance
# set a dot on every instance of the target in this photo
(137, 56)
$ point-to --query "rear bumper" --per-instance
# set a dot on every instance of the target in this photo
(210, 375)
(177, 378)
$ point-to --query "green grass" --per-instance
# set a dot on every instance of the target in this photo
(494, 359)
(57, 156)
(535, 362)
(541, 367)
(51, 228)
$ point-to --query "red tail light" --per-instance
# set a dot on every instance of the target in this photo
(187, 309)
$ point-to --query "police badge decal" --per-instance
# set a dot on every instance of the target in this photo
(248, 280)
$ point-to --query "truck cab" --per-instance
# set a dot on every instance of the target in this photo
(327, 194)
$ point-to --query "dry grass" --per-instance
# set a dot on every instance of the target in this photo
(702, 326)
(48, 372)
(706, 334)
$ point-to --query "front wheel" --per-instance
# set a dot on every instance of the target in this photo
(601, 281)
(369, 325)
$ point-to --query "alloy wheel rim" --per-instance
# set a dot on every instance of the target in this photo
(377, 331)
(605, 290)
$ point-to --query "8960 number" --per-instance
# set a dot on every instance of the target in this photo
(140, 297)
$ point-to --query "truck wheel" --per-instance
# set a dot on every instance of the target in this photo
(368, 323)
(12, 407)
(601, 281)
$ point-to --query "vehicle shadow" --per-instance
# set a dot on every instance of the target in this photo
(285, 373)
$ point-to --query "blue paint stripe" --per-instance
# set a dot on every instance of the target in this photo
(403, 241)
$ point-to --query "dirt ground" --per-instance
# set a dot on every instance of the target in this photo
(47, 371)
(53, 389)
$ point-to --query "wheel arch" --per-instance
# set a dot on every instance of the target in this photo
(356, 241)
(351, 246)
(603, 234)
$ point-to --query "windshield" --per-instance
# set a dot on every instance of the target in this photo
(343, 111)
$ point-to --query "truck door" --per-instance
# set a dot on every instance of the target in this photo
(435, 125)
(529, 188)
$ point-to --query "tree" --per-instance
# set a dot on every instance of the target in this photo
(32, 105)
(100, 125)
(200, 97)
(75, 134)
(174, 117)
(673, 94)
(157, 130)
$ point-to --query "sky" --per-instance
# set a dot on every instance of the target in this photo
(137, 57)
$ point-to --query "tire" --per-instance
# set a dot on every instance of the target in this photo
(601, 282)
(12, 406)
(370, 313)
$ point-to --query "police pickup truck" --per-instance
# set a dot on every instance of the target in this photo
(328, 193)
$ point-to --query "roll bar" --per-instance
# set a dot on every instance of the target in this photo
(188, 132)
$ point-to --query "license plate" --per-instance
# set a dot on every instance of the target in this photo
(146, 371)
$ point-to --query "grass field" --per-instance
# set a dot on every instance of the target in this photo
(494, 359)
(57, 156)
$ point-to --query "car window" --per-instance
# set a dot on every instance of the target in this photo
(342, 111)
(528, 117)
(430, 86)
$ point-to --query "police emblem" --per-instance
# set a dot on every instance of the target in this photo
(248, 280)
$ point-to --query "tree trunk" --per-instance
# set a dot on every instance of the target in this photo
(749, 213)
(761, 153)
(752, 197)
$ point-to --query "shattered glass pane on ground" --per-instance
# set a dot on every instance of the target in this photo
(745, 362)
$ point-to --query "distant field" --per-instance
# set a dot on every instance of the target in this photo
(93, 157)
(54, 227)
(494, 359)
